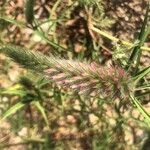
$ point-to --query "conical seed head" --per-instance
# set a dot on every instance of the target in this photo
(86, 78)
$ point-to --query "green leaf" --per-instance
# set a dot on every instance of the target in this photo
(143, 94)
(29, 12)
(42, 82)
(13, 109)
(46, 39)
(13, 21)
(16, 90)
(42, 111)
(141, 74)
(136, 53)
(141, 110)
(144, 87)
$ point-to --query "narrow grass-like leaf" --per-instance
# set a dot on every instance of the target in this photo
(116, 40)
(143, 94)
(29, 13)
(141, 74)
(42, 111)
(37, 32)
(136, 53)
(46, 39)
(53, 11)
(143, 87)
(34, 140)
(14, 90)
(141, 110)
(13, 21)
(13, 109)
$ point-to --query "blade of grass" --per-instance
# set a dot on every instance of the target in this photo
(39, 33)
(34, 140)
(143, 94)
(13, 109)
(145, 35)
(13, 21)
(137, 51)
(144, 87)
(141, 110)
(14, 90)
(29, 11)
(42, 111)
(46, 39)
(114, 39)
(141, 74)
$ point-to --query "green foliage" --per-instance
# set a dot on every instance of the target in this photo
(145, 30)
(29, 92)
(141, 110)
(96, 14)
(12, 110)
(95, 103)
(29, 12)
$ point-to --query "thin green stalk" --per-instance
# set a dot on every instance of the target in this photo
(114, 39)
(141, 109)
(137, 51)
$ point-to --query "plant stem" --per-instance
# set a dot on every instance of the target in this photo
(114, 39)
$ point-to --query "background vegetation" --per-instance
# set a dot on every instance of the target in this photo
(67, 82)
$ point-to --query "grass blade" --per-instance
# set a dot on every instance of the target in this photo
(16, 90)
(46, 39)
(29, 12)
(136, 53)
(13, 109)
(42, 111)
(13, 21)
(141, 74)
(141, 110)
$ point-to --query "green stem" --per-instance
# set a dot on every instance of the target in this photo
(114, 39)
